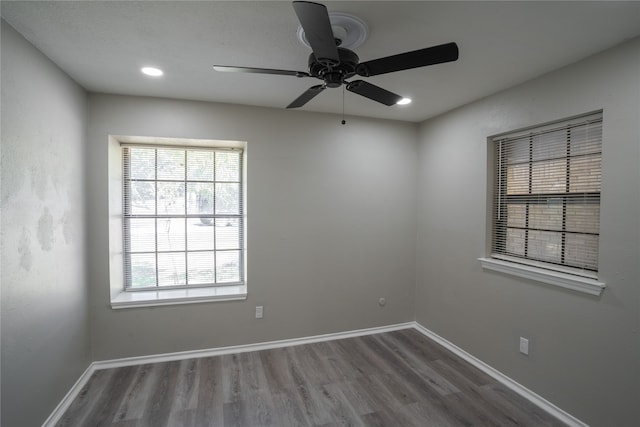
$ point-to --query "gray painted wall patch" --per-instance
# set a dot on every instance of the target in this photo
(24, 249)
(45, 230)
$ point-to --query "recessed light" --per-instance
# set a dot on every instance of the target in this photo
(152, 71)
(404, 101)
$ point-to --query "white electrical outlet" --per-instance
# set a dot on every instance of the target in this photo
(259, 312)
(524, 346)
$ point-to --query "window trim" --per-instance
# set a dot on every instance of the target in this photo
(587, 285)
(178, 296)
(119, 296)
(576, 279)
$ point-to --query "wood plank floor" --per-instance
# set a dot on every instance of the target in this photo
(392, 379)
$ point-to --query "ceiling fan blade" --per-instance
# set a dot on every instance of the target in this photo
(315, 22)
(230, 69)
(307, 96)
(374, 92)
(418, 58)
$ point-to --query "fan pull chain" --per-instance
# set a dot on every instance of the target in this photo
(343, 121)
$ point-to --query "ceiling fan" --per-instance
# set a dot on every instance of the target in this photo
(334, 64)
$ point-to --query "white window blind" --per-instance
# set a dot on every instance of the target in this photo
(183, 217)
(547, 195)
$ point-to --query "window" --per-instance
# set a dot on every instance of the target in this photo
(546, 203)
(182, 222)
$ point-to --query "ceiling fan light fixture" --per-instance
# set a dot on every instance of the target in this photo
(151, 71)
(350, 30)
(329, 37)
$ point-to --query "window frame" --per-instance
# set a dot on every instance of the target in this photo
(555, 273)
(122, 297)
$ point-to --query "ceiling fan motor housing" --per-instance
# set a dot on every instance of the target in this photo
(334, 76)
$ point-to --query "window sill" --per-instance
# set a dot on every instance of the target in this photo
(178, 296)
(569, 281)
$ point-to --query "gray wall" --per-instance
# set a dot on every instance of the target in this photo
(584, 351)
(45, 324)
(331, 225)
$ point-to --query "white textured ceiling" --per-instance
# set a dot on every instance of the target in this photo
(103, 44)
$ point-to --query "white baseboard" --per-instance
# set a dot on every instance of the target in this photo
(534, 398)
(59, 411)
(192, 354)
(167, 357)
(66, 401)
